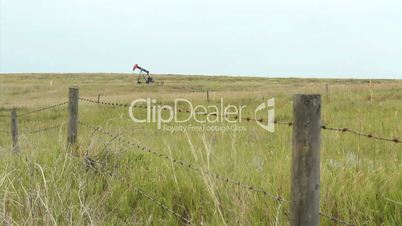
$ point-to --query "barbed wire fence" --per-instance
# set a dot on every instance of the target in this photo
(92, 164)
(57, 126)
(368, 135)
(252, 119)
(43, 109)
(187, 165)
(181, 163)
(38, 130)
(162, 205)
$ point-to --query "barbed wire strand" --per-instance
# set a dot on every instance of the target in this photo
(107, 103)
(261, 120)
(142, 192)
(159, 203)
(332, 218)
(368, 135)
(248, 119)
(215, 175)
(183, 163)
(244, 119)
(41, 129)
(36, 121)
(43, 109)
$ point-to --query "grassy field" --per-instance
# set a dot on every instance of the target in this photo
(48, 184)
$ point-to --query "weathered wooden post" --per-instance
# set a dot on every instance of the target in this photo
(208, 96)
(14, 130)
(327, 91)
(98, 98)
(73, 95)
(305, 185)
(371, 91)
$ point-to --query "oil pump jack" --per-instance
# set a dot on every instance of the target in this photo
(143, 75)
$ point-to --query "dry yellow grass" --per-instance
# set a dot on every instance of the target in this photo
(43, 185)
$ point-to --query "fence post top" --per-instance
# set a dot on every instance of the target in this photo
(305, 95)
(14, 111)
(307, 98)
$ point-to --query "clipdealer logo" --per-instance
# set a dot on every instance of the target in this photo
(270, 106)
(210, 114)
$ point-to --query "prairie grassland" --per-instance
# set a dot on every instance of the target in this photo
(48, 184)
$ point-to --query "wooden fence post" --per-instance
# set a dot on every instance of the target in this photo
(327, 91)
(98, 98)
(73, 95)
(305, 185)
(14, 130)
(371, 91)
(208, 96)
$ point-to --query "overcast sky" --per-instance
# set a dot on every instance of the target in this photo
(313, 38)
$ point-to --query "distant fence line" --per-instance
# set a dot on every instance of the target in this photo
(305, 168)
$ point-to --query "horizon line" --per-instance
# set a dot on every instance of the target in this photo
(212, 75)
